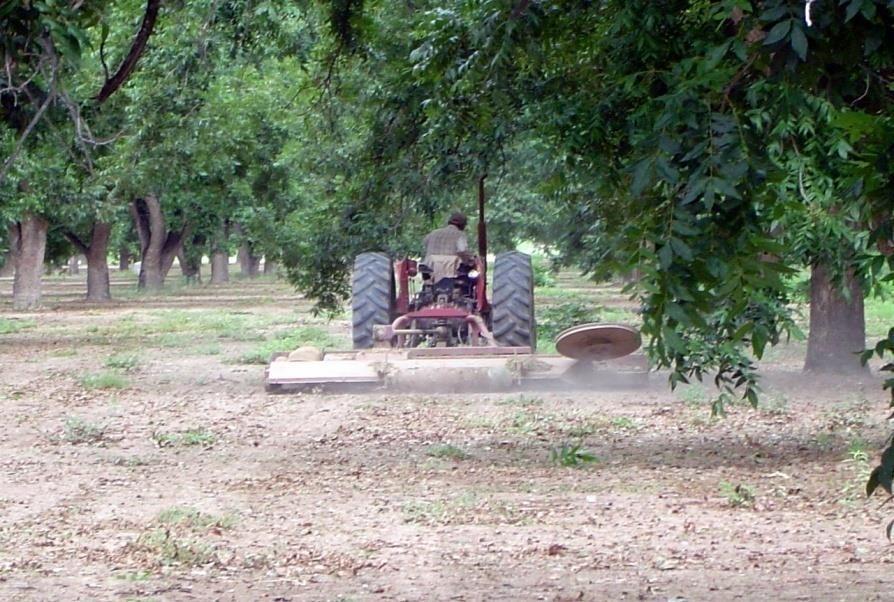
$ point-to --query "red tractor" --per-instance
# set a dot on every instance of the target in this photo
(453, 312)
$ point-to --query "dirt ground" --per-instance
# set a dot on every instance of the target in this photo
(141, 459)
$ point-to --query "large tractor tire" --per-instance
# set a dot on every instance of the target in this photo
(372, 296)
(512, 307)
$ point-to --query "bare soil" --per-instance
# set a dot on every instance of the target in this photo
(167, 473)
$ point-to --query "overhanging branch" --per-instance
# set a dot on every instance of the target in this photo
(136, 50)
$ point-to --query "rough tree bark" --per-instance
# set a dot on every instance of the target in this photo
(837, 325)
(123, 259)
(269, 266)
(158, 246)
(96, 252)
(8, 269)
(249, 263)
(30, 245)
(220, 257)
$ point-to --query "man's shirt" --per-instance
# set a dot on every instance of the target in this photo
(448, 240)
(442, 248)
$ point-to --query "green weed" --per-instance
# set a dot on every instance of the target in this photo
(287, 341)
(193, 519)
(738, 495)
(520, 400)
(571, 455)
(445, 450)
(134, 576)
(104, 380)
(122, 361)
(624, 423)
(858, 454)
(440, 510)
(77, 431)
(168, 548)
(207, 349)
(185, 438)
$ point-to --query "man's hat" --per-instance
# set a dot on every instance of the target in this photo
(457, 218)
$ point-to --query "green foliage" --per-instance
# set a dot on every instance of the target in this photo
(544, 274)
(883, 474)
(553, 319)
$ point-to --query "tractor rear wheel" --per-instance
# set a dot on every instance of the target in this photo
(512, 308)
(372, 296)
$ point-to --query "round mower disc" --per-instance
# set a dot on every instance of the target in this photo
(597, 342)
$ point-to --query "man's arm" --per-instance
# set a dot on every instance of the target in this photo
(462, 249)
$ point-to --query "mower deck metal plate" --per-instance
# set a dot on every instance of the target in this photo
(598, 342)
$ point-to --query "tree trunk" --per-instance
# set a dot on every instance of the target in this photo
(837, 326)
(220, 256)
(8, 269)
(97, 252)
(31, 244)
(249, 263)
(158, 246)
(74, 265)
(98, 289)
(123, 259)
(269, 266)
(190, 267)
(220, 267)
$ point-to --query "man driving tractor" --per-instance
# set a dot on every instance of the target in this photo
(447, 248)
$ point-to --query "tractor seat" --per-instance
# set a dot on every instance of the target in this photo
(445, 285)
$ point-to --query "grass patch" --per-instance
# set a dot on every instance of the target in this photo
(174, 538)
(440, 511)
(858, 455)
(692, 395)
(520, 400)
(879, 315)
(193, 519)
(624, 423)
(445, 450)
(207, 349)
(174, 339)
(134, 576)
(170, 549)
(78, 431)
(187, 438)
(123, 361)
(287, 341)
(11, 325)
(104, 380)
